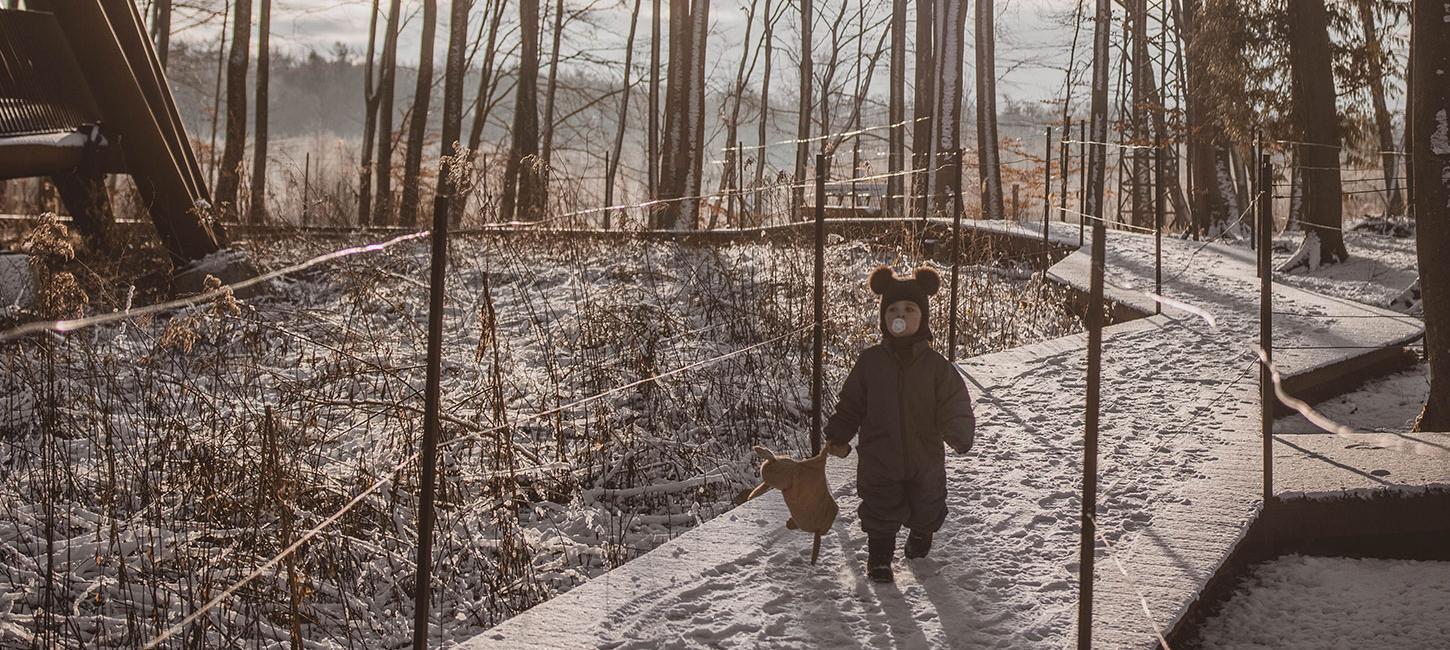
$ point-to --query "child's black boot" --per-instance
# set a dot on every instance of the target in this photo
(878, 562)
(917, 545)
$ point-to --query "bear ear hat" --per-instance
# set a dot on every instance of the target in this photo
(881, 279)
(928, 279)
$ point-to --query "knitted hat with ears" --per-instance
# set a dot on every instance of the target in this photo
(918, 289)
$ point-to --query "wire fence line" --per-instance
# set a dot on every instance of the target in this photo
(398, 467)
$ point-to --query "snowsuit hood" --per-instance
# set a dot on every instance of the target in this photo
(918, 289)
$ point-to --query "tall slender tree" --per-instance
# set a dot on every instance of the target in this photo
(387, 83)
(229, 176)
(652, 138)
(613, 168)
(257, 206)
(454, 71)
(923, 125)
(161, 30)
(552, 87)
(418, 122)
(488, 75)
(803, 121)
(950, 85)
(371, 98)
(1430, 150)
(700, 19)
(1312, 86)
(896, 111)
(1374, 58)
(989, 169)
(675, 155)
(764, 119)
(523, 191)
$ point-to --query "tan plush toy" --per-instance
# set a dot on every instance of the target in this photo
(803, 484)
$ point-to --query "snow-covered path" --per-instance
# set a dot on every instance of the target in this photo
(1179, 476)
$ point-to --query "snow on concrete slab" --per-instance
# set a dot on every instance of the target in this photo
(1323, 603)
(1327, 464)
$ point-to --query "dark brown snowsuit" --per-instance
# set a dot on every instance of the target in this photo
(906, 406)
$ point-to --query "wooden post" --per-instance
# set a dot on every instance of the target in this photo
(1082, 179)
(1046, 185)
(1016, 202)
(1160, 196)
(1062, 164)
(431, 407)
(816, 366)
(820, 280)
(957, 257)
(608, 192)
(1266, 321)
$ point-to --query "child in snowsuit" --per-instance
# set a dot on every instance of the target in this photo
(908, 402)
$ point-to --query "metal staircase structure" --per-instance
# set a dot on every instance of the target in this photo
(82, 95)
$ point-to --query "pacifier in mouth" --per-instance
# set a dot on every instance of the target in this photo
(898, 326)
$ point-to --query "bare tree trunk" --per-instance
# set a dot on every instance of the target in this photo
(1098, 125)
(1208, 164)
(613, 169)
(1318, 125)
(1429, 146)
(728, 181)
(418, 124)
(388, 76)
(161, 29)
(453, 77)
(523, 192)
(1395, 203)
(370, 125)
(761, 153)
(700, 16)
(1141, 213)
(488, 78)
(950, 79)
(216, 100)
(652, 163)
(896, 113)
(553, 85)
(923, 127)
(257, 206)
(988, 157)
(675, 155)
(229, 177)
(803, 122)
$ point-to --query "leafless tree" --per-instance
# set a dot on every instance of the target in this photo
(257, 208)
(229, 176)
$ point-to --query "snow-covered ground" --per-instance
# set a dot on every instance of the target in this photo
(1177, 393)
(1382, 264)
(152, 476)
(1323, 603)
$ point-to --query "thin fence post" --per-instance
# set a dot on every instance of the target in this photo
(608, 190)
(1266, 322)
(307, 189)
(431, 407)
(957, 256)
(1062, 163)
(728, 169)
(1082, 179)
(1160, 198)
(1016, 202)
(816, 377)
(1046, 185)
(740, 180)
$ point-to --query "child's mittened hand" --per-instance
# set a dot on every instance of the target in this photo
(838, 449)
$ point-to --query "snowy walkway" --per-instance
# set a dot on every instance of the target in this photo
(1179, 479)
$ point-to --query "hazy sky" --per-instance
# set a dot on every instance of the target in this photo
(1031, 46)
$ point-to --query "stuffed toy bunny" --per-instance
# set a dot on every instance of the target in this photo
(803, 483)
